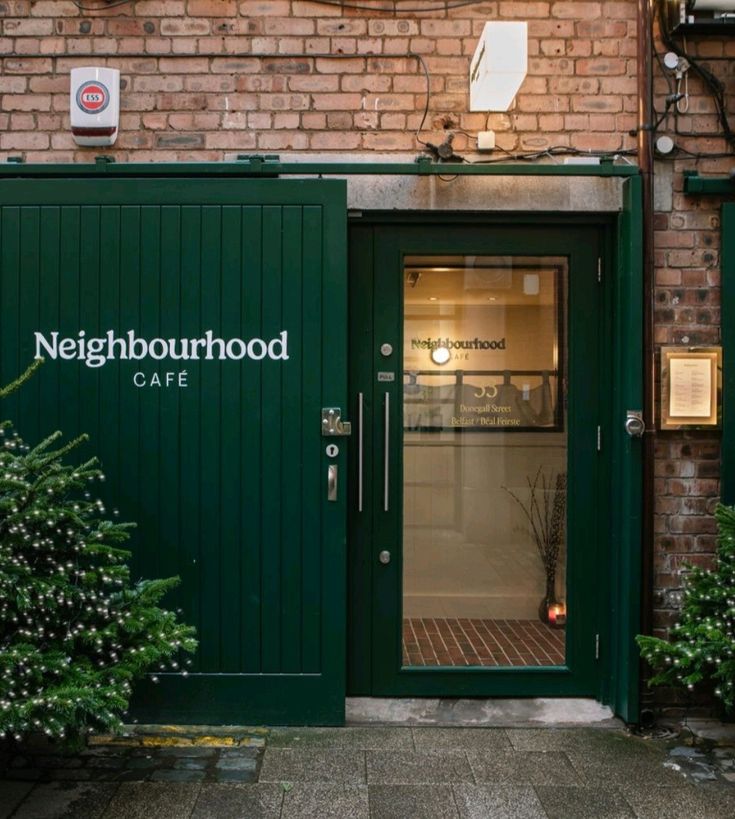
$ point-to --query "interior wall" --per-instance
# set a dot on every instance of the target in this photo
(468, 549)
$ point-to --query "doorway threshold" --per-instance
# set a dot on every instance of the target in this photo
(481, 713)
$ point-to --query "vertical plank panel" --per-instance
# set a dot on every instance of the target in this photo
(69, 318)
(272, 449)
(130, 492)
(188, 484)
(233, 539)
(89, 321)
(48, 309)
(177, 540)
(152, 559)
(291, 437)
(107, 443)
(29, 396)
(252, 444)
(10, 259)
(315, 482)
(210, 490)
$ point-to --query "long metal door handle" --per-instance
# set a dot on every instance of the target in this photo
(360, 451)
(332, 472)
(386, 456)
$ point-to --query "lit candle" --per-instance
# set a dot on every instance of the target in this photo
(557, 614)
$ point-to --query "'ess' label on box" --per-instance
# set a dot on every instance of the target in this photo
(93, 97)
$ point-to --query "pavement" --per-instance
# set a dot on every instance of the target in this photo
(376, 772)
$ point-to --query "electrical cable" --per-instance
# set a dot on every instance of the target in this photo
(437, 5)
(551, 152)
(698, 154)
(715, 86)
(666, 74)
(427, 76)
(108, 4)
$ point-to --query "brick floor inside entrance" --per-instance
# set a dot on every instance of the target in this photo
(448, 641)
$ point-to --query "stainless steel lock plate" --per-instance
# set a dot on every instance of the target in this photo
(332, 423)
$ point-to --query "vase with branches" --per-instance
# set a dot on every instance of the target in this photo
(545, 511)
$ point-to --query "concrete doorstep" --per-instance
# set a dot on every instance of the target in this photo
(418, 771)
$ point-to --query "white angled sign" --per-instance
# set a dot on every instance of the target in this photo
(499, 66)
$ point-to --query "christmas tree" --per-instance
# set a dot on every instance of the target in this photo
(75, 632)
(702, 643)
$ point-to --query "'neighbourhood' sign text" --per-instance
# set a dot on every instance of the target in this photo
(97, 351)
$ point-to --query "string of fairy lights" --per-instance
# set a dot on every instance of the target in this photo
(74, 633)
(702, 643)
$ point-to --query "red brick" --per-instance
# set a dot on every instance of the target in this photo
(577, 10)
(184, 28)
(28, 28)
(212, 8)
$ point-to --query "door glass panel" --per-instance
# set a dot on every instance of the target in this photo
(484, 461)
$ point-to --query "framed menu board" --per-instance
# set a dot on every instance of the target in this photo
(691, 385)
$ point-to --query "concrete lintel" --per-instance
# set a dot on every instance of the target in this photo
(486, 193)
(577, 194)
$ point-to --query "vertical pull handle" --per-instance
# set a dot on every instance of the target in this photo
(332, 482)
(386, 455)
(360, 450)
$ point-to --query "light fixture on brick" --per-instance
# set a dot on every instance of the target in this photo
(499, 66)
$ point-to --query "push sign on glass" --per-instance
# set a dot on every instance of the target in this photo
(95, 105)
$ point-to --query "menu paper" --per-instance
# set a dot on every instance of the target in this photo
(691, 388)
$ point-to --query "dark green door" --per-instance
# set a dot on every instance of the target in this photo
(478, 533)
(195, 328)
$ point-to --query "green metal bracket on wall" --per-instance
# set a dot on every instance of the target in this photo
(708, 185)
(271, 166)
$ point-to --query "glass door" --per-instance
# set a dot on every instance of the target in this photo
(484, 461)
(483, 415)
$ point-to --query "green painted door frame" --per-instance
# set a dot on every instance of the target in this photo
(377, 245)
(224, 466)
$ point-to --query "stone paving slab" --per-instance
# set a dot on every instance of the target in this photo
(490, 739)
(681, 802)
(533, 767)
(359, 738)
(497, 802)
(417, 768)
(576, 739)
(402, 801)
(341, 767)
(56, 800)
(583, 803)
(152, 800)
(218, 801)
(649, 768)
(326, 802)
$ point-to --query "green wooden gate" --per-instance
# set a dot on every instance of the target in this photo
(218, 456)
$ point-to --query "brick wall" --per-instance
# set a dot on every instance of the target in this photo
(206, 76)
(202, 78)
